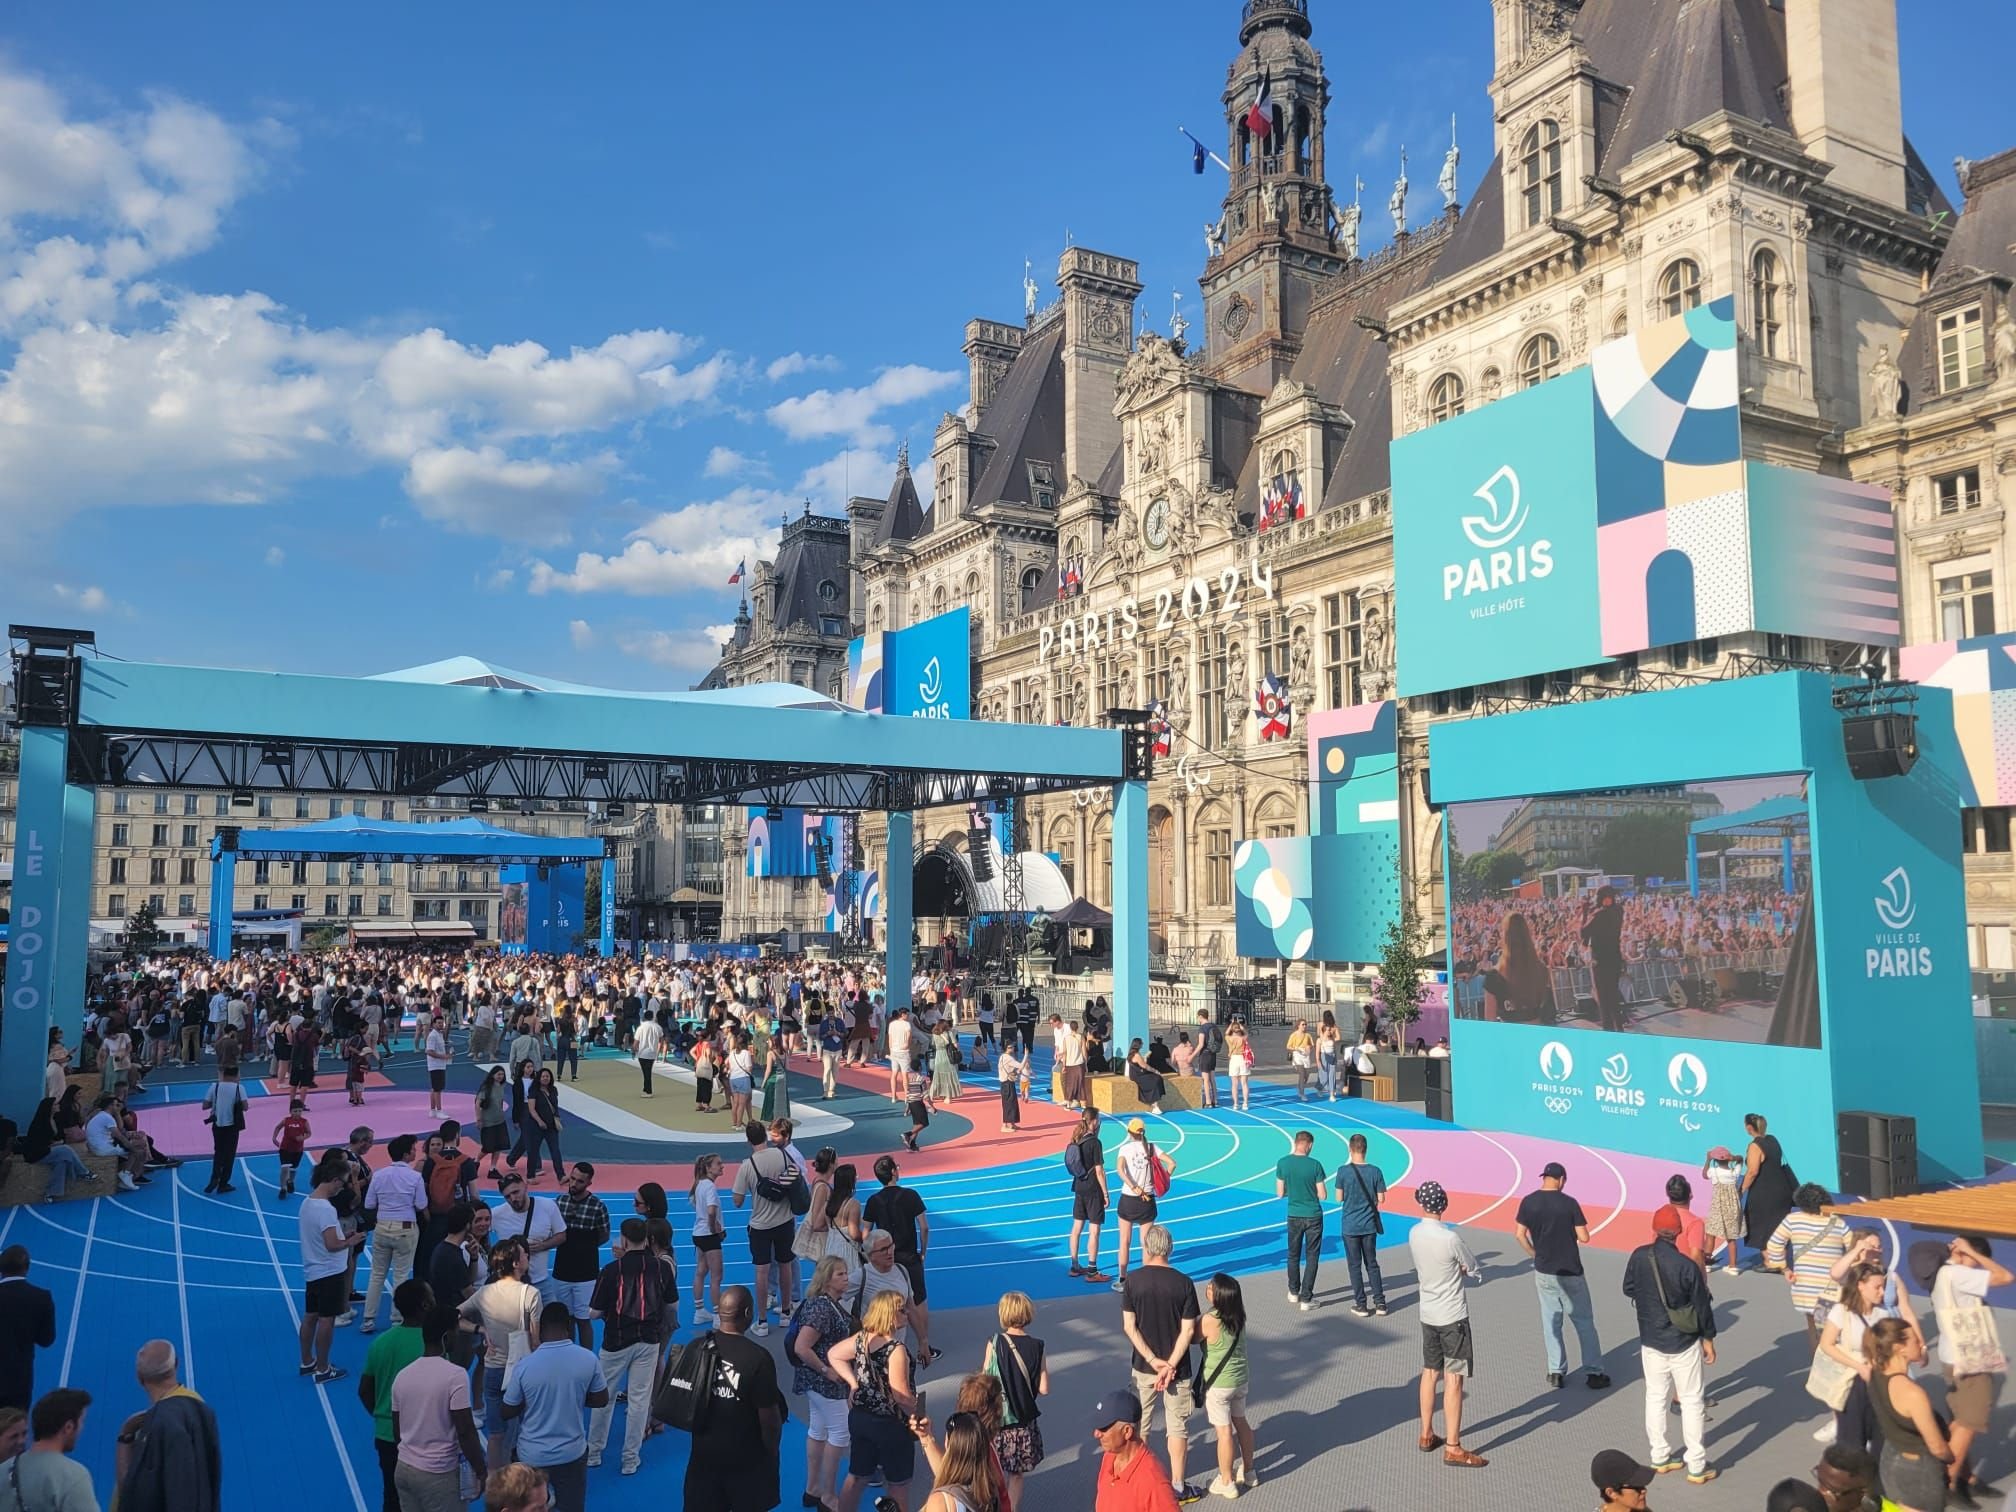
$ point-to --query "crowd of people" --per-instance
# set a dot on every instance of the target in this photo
(509, 1336)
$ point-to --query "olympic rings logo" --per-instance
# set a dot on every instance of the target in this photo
(1558, 1105)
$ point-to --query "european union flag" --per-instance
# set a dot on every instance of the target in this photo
(1196, 156)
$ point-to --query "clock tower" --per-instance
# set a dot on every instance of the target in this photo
(1278, 232)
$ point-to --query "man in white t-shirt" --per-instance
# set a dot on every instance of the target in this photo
(439, 1057)
(648, 1041)
(900, 1030)
(535, 1220)
(325, 1268)
(1959, 1289)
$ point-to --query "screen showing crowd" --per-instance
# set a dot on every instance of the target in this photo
(1677, 910)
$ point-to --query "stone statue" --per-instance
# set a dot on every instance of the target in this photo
(1178, 712)
(1301, 669)
(1217, 507)
(1397, 205)
(1347, 231)
(1376, 670)
(1275, 204)
(1214, 237)
(1963, 170)
(1886, 386)
(1124, 546)
(1028, 289)
(1447, 182)
(2002, 342)
(1153, 370)
(1182, 527)
(1178, 326)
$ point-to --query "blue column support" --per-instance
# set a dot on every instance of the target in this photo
(223, 895)
(1693, 868)
(898, 872)
(608, 922)
(1785, 849)
(52, 909)
(1130, 914)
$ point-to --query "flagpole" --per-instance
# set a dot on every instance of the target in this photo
(1207, 151)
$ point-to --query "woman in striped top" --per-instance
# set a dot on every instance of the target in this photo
(1805, 1246)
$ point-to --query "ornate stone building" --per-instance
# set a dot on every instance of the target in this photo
(1137, 518)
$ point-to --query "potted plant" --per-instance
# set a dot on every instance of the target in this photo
(1403, 972)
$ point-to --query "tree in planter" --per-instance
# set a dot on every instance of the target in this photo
(1403, 967)
(143, 930)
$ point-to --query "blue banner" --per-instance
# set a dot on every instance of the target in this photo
(924, 671)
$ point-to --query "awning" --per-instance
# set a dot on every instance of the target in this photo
(409, 929)
(1082, 914)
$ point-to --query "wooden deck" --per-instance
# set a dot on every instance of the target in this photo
(1988, 1210)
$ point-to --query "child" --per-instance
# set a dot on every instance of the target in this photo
(918, 1087)
(355, 1052)
(292, 1136)
(1725, 1203)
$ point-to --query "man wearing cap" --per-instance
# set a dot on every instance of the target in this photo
(1131, 1479)
(1620, 1480)
(1552, 1229)
(1441, 1262)
(1676, 1340)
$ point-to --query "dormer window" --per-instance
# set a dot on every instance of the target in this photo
(828, 590)
(1680, 287)
(1960, 350)
(1042, 485)
(1540, 172)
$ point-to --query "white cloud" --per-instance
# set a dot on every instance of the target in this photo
(689, 651)
(581, 633)
(851, 412)
(484, 491)
(797, 362)
(275, 557)
(501, 579)
(694, 547)
(853, 473)
(92, 599)
(726, 462)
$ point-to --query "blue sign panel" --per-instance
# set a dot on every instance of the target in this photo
(924, 671)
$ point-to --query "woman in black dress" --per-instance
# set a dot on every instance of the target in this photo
(1767, 1184)
(1147, 1083)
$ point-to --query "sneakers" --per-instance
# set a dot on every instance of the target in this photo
(1379, 1308)
(1824, 1434)
(1120, 1285)
(127, 1183)
(333, 1373)
(594, 1462)
(1293, 1298)
(1556, 1379)
(1187, 1493)
(1097, 1277)
(1360, 1310)
(1220, 1487)
(1708, 1474)
(1306, 1306)
(762, 1330)
(1667, 1467)
(1077, 1269)
(1598, 1381)
(346, 1318)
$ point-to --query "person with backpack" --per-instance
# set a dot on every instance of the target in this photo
(629, 1303)
(1144, 1176)
(224, 1110)
(769, 1176)
(1085, 1163)
(1360, 1185)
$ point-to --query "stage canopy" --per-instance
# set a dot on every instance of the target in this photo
(350, 837)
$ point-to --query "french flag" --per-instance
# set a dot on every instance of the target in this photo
(740, 568)
(1260, 119)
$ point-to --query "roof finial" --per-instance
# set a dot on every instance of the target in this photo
(903, 455)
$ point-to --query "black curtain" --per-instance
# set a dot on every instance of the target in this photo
(1795, 1022)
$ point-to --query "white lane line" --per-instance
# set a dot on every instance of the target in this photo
(1518, 1177)
(77, 1298)
(1622, 1191)
(8, 1227)
(321, 1392)
(181, 1293)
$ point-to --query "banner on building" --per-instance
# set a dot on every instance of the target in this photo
(924, 671)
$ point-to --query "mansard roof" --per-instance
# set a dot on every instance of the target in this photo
(1984, 242)
(1684, 62)
(812, 555)
(1026, 421)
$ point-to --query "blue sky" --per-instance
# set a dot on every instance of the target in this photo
(350, 343)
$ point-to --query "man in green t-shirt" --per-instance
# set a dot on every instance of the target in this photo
(1299, 1178)
(390, 1353)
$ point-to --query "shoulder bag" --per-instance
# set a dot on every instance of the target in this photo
(1686, 1321)
(1201, 1383)
(1005, 1342)
(1829, 1380)
(1378, 1223)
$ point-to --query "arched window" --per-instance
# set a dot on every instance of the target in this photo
(1304, 139)
(1031, 577)
(875, 618)
(940, 599)
(1767, 302)
(1445, 398)
(1245, 144)
(1539, 360)
(1540, 171)
(1680, 287)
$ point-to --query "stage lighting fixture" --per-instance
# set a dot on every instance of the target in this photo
(595, 771)
(774, 813)
(479, 805)
(241, 798)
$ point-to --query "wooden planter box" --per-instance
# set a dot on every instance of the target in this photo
(1115, 1094)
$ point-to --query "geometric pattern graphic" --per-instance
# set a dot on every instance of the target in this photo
(1824, 555)
(1980, 672)
(1274, 885)
(1354, 768)
(1712, 534)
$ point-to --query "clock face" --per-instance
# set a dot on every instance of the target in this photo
(1156, 524)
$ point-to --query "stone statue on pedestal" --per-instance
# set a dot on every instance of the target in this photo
(1397, 205)
(1886, 386)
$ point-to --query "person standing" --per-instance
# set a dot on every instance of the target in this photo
(1914, 1436)
(1160, 1318)
(629, 1302)
(1551, 1228)
(646, 1046)
(545, 1396)
(224, 1111)
(506, 1310)
(577, 1260)
(325, 1268)
(43, 1477)
(1360, 1185)
(1442, 1262)
(1676, 1342)
(439, 1058)
(1016, 1358)
(1014, 1074)
(537, 1222)
(1138, 1163)
(1602, 932)
(1226, 1377)
(27, 1323)
(1131, 1478)
(876, 1370)
(1204, 1060)
(391, 1352)
(398, 1195)
(1028, 1007)
(733, 1465)
(1299, 1179)
(900, 1213)
(819, 1324)
(1302, 1056)
(1068, 1049)
(1768, 1186)
(1803, 1248)
(832, 1045)
(168, 1457)
(433, 1423)
(767, 1175)
(1969, 1352)
(1085, 1160)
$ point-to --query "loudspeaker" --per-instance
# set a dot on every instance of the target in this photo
(1879, 1153)
(1436, 1073)
(978, 854)
(1880, 745)
(1438, 1099)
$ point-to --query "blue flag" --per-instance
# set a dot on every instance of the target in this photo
(1196, 156)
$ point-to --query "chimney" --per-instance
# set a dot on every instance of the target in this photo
(1099, 294)
(1845, 98)
(990, 351)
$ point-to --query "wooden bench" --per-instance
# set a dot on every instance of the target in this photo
(26, 1183)
(1382, 1088)
(1115, 1094)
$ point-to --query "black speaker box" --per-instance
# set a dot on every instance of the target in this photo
(1880, 745)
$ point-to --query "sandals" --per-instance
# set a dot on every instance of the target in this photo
(1457, 1455)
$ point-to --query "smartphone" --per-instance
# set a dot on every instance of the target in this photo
(923, 1407)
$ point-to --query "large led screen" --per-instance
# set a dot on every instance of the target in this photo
(1680, 911)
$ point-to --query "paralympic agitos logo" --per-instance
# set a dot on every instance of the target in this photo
(1504, 561)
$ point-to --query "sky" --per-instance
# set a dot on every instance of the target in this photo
(349, 340)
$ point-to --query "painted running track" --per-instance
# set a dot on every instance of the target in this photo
(219, 1274)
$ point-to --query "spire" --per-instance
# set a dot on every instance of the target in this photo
(1258, 15)
(903, 455)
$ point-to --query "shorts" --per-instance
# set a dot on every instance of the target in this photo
(1136, 1209)
(1088, 1205)
(710, 1489)
(880, 1443)
(826, 1419)
(707, 1244)
(738, 1086)
(920, 1116)
(772, 1245)
(327, 1296)
(437, 1079)
(290, 1160)
(1224, 1403)
(1447, 1348)
(913, 1267)
(1240, 1067)
(1176, 1404)
(574, 1293)
(1970, 1398)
